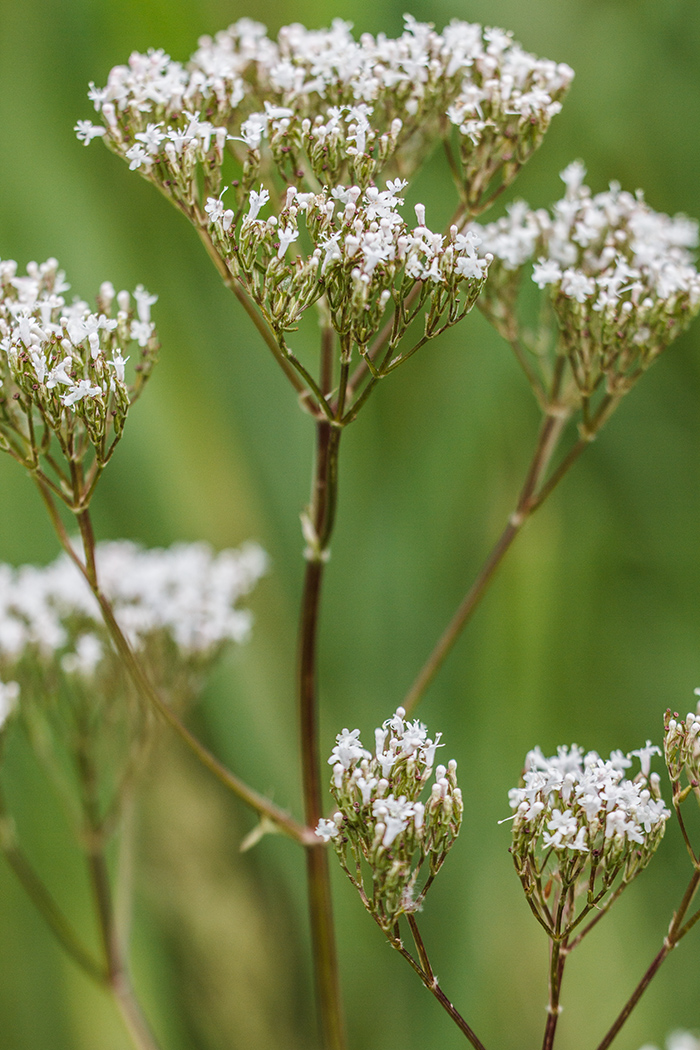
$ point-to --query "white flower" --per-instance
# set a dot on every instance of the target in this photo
(86, 131)
(327, 830)
(257, 200)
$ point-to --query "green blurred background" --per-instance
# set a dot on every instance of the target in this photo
(589, 632)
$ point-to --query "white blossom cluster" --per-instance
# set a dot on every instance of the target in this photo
(381, 819)
(178, 605)
(682, 746)
(364, 257)
(620, 276)
(579, 820)
(322, 104)
(63, 365)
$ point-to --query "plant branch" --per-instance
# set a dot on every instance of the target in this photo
(318, 527)
(430, 981)
(262, 805)
(528, 501)
(45, 904)
(676, 931)
(117, 977)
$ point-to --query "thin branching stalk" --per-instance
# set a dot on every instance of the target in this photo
(677, 930)
(528, 501)
(262, 805)
(425, 972)
(117, 976)
(45, 904)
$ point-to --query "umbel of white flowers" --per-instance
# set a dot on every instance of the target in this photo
(177, 606)
(381, 822)
(63, 365)
(619, 276)
(322, 106)
(581, 827)
(329, 130)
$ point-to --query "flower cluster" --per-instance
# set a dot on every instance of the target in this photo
(580, 824)
(177, 606)
(620, 278)
(381, 820)
(682, 750)
(320, 105)
(364, 258)
(63, 365)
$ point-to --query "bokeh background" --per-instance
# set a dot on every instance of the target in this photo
(589, 632)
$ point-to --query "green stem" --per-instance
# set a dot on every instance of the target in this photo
(45, 904)
(117, 977)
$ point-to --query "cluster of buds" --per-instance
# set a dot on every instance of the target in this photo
(320, 105)
(581, 830)
(381, 822)
(620, 278)
(63, 366)
(682, 751)
(178, 607)
(363, 258)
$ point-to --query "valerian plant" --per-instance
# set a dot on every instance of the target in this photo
(291, 157)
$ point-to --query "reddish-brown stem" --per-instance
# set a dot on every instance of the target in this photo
(676, 931)
(528, 501)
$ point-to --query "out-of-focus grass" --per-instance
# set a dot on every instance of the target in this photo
(590, 631)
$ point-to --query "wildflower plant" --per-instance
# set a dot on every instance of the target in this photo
(381, 820)
(64, 394)
(293, 158)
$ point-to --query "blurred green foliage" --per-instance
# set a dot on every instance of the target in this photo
(589, 632)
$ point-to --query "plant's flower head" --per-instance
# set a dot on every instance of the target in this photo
(381, 818)
(581, 824)
(63, 364)
(177, 606)
(620, 276)
(358, 250)
(323, 105)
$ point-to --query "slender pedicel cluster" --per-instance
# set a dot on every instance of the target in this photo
(619, 275)
(381, 821)
(63, 365)
(682, 750)
(580, 827)
(321, 106)
(178, 607)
